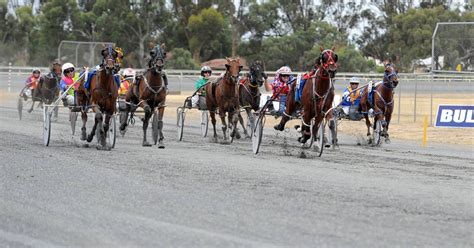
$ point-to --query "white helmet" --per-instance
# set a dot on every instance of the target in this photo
(129, 72)
(284, 70)
(205, 69)
(354, 80)
(67, 66)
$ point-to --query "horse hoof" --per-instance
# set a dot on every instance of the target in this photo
(146, 143)
(237, 136)
(387, 141)
(30, 110)
(278, 127)
(89, 138)
(161, 146)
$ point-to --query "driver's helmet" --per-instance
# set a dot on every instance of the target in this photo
(67, 66)
(129, 72)
(36, 70)
(284, 71)
(205, 69)
(354, 80)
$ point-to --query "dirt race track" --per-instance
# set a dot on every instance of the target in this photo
(198, 193)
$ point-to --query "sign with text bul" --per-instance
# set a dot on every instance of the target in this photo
(455, 116)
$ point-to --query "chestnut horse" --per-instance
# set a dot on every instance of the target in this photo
(101, 97)
(149, 92)
(318, 94)
(382, 102)
(249, 93)
(316, 98)
(224, 95)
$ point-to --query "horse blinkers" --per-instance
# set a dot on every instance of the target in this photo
(109, 57)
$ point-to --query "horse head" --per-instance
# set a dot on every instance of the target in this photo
(157, 60)
(257, 73)
(390, 75)
(328, 61)
(109, 59)
(56, 69)
(233, 68)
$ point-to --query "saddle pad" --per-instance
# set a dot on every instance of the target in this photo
(93, 72)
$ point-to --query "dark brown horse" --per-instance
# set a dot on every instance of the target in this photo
(382, 103)
(317, 96)
(224, 95)
(101, 97)
(249, 93)
(149, 92)
(48, 87)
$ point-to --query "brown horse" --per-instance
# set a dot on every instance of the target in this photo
(224, 95)
(316, 98)
(318, 94)
(382, 103)
(249, 93)
(101, 97)
(149, 92)
(48, 87)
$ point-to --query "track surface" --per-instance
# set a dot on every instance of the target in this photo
(200, 193)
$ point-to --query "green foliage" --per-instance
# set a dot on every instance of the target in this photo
(204, 28)
(181, 59)
(279, 32)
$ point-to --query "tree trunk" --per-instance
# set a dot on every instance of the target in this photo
(141, 51)
(197, 55)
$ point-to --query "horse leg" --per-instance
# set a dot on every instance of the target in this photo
(251, 120)
(305, 130)
(161, 144)
(332, 128)
(103, 137)
(235, 118)
(145, 124)
(124, 121)
(224, 124)
(32, 104)
(83, 129)
(213, 121)
(388, 117)
(97, 119)
(241, 120)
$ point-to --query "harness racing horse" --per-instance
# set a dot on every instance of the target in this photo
(382, 102)
(149, 92)
(249, 93)
(317, 96)
(224, 95)
(101, 97)
(48, 87)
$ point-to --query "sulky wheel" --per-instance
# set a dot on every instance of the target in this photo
(258, 133)
(180, 122)
(46, 126)
(204, 123)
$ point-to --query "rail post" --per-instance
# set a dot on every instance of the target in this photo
(180, 82)
(399, 101)
(9, 76)
(414, 105)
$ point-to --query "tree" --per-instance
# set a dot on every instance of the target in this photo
(181, 59)
(203, 29)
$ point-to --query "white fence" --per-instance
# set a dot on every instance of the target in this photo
(417, 95)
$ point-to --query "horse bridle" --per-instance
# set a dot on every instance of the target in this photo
(233, 79)
(391, 84)
(157, 61)
(254, 82)
(110, 57)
